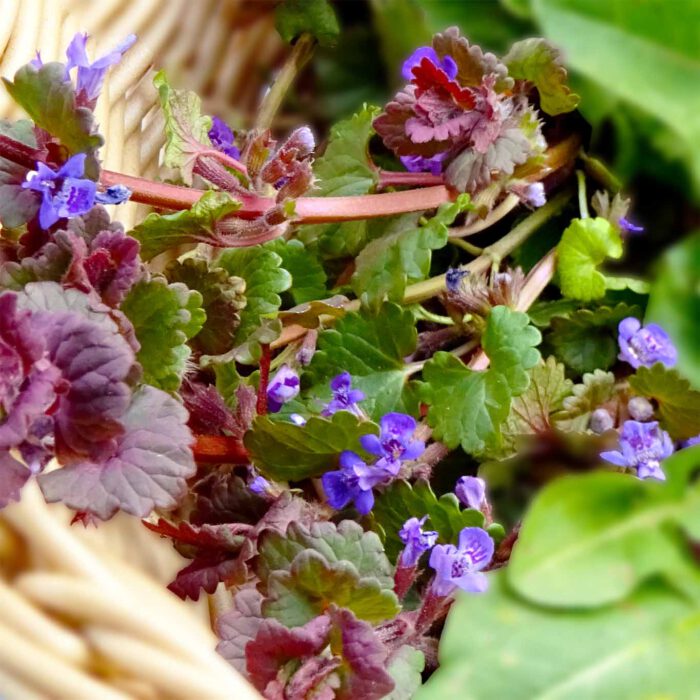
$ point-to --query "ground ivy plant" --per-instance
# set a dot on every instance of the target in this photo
(301, 370)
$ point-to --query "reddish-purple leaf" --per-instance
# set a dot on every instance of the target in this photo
(315, 679)
(13, 476)
(363, 672)
(147, 468)
(205, 573)
(276, 644)
(239, 626)
(227, 537)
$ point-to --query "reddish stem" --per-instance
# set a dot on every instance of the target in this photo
(390, 178)
(19, 152)
(264, 379)
(217, 449)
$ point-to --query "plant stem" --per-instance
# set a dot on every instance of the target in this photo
(264, 378)
(391, 178)
(494, 216)
(219, 449)
(599, 172)
(421, 291)
(471, 249)
(296, 60)
(582, 195)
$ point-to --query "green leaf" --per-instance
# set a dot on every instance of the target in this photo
(346, 541)
(285, 451)
(227, 381)
(17, 205)
(540, 62)
(584, 245)
(541, 313)
(345, 167)
(587, 339)
(674, 303)
(646, 59)
(405, 667)
(265, 280)
(308, 276)
(530, 413)
(312, 584)
(222, 301)
(645, 647)
(371, 346)
(186, 130)
(160, 232)
(49, 100)
(386, 265)
(400, 500)
(316, 17)
(678, 404)
(468, 407)
(596, 389)
(591, 540)
(164, 318)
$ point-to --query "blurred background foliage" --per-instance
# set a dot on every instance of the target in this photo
(636, 65)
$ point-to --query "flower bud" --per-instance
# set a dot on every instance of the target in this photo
(640, 408)
(600, 421)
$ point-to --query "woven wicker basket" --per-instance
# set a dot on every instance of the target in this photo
(85, 613)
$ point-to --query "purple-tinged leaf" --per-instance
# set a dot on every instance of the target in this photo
(227, 536)
(239, 626)
(13, 476)
(147, 468)
(363, 671)
(205, 573)
(226, 498)
(275, 645)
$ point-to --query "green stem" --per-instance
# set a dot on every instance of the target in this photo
(600, 172)
(582, 194)
(297, 59)
(471, 249)
(421, 291)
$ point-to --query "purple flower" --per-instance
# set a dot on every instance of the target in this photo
(395, 442)
(690, 442)
(642, 447)
(644, 346)
(344, 397)
(454, 277)
(628, 226)
(259, 485)
(447, 64)
(283, 388)
(65, 193)
(460, 567)
(416, 541)
(92, 75)
(534, 195)
(351, 482)
(222, 138)
(116, 194)
(419, 164)
(471, 491)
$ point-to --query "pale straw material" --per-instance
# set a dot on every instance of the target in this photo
(84, 613)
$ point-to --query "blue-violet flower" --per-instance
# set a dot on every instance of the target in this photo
(642, 447)
(644, 346)
(282, 389)
(92, 75)
(222, 138)
(460, 566)
(65, 193)
(454, 277)
(471, 491)
(416, 540)
(352, 482)
(421, 164)
(345, 398)
(628, 226)
(447, 64)
(395, 442)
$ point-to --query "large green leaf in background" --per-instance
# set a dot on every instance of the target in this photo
(497, 647)
(591, 540)
(674, 303)
(643, 54)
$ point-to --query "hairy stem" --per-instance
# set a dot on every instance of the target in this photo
(264, 378)
(219, 449)
(390, 178)
(297, 59)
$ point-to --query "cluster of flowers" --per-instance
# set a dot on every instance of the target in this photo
(643, 444)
